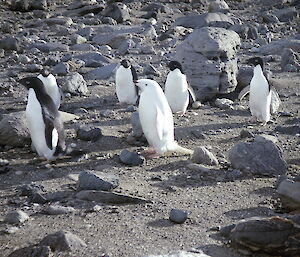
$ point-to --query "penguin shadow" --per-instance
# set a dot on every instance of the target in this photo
(222, 113)
(161, 223)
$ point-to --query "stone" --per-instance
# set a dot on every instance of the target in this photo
(102, 73)
(89, 133)
(198, 134)
(78, 39)
(10, 44)
(258, 157)
(64, 21)
(56, 209)
(29, 189)
(196, 105)
(208, 57)
(289, 130)
(178, 216)
(275, 102)
(191, 253)
(95, 180)
(93, 59)
(246, 134)
(61, 69)
(289, 192)
(83, 8)
(32, 251)
(16, 217)
(107, 113)
(62, 241)
(289, 57)
(13, 130)
(287, 14)
(109, 197)
(20, 5)
(204, 20)
(50, 47)
(202, 156)
(74, 84)
(270, 18)
(37, 198)
(131, 158)
(276, 47)
(199, 168)
(34, 68)
(117, 11)
(83, 47)
(218, 6)
(39, 5)
(224, 103)
(151, 70)
(137, 130)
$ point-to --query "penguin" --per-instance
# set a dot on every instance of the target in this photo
(125, 88)
(157, 120)
(260, 92)
(43, 120)
(177, 89)
(52, 89)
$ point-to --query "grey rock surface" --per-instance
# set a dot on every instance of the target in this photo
(288, 58)
(131, 158)
(264, 158)
(192, 253)
(202, 156)
(117, 11)
(276, 47)
(16, 217)
(104, 72)
(89, 133)
(224, 103)
(208, 57)
(137, 130)
(74, 84)
(178, 216)
(32, 251)
(95, 180)
(56, 209)
(289, 192)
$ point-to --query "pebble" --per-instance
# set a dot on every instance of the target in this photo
(178, 216)
(89, 134)
(16, 217)
(38, 198)
(202, 156)
(107, 113)
(131, 158)
(196, 105)
(246, 134)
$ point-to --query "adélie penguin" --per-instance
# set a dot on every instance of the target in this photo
(125, 88)
(43, 120)
(177, 89)
(260, 92)
(52, 89)
(157, 120)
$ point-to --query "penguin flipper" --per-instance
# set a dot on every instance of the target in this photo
(244, 92)
(49, 126)
(192, 93)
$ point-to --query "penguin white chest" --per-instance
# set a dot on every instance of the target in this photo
(176, 91)
(260, 96)
(125, 87)
(36, 126)
(156, 119)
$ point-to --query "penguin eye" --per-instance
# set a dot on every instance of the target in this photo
(146, 84)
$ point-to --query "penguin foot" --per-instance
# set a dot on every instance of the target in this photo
(150, 154)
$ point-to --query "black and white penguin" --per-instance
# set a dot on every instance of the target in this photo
(43, 120)
(157, 120)
(260, 92)
(177, 88)
(52, 89)
(125, 88)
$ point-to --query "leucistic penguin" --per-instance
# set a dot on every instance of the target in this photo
(177, 89)
(157, 120)
(43, 120)
(52, 89)
(260, 92)
(125, 88)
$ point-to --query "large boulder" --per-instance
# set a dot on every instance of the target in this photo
(208, 57)
(262, 157)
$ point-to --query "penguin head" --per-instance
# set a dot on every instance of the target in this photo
(173, 65)
(256, 61)
(31, 82)
(45, 72)
(125, 63)
(142, 84)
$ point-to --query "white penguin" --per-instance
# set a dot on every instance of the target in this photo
(51, 87)
(177, 89)
(157, 120)
(125, 88)
(260, 93)
(43, 120)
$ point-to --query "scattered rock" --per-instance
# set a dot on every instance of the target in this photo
(198, 134)
(263, 158)
(276, 47)
(74, 84)
(191, 253)
(290, 58)
(218, 6)
(151, 70)
(199, 168)
(109, 197)
(58, 210)
(50, 47)
(10, 44)
(16, 217)
(89, 134)
(202, 156)
(246, 134)
(131, 158)
(63, 241)
(117, 11)
(37, 198)
(29, 189)
(107, 113)
(61, 69)
(32, 251)
(78, 39)
(224, 103)
(104, 72)
(178, 216)
(89, 180)
(290, 130)
(137, 130)
(289, 192)
(286, 14)
(196, 105)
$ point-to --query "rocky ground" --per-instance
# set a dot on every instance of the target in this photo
(81, 38)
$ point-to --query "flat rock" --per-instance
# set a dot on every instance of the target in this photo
(74, 84)
(276, 47)
(191, 253)
(289, 192)
(223, 103)
(202, 156)
(104, 72)
(33, 251)
(62, 241)
(96, 180)
(131, 158)
(109, 197)
(89, 133)
(58, 210)
(50, 47)
(16, 217)
(92, 58)
(290, 130)
(258, 157)
(10, 44)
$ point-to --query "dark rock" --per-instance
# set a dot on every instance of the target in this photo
(30, 189)
(37, 198)
(109, 197)
(289, 192)
(93, 59)
(117, 11)
(52, 60)
(16, 217)
(270, 18)
(290, 130)
(10, 44)
(287, 14)
(276, 47)
(50, 47)
(97, 181)
(104, 72)
(178, 216)
(225, 231)
(89, 134)
(33, 251)
(74, 84)
(107, 113)
(202, 156)
(289, 57)
(63, 241)
(151, 70)
(246, 134)
(131, 158)
(252, 32)
(261, 157)
(20, 5)
(61, 69)
(83, 9)
(58, 210)
(198, 134)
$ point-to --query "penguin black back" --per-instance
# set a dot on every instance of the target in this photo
(173, 65)
(256, 61)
